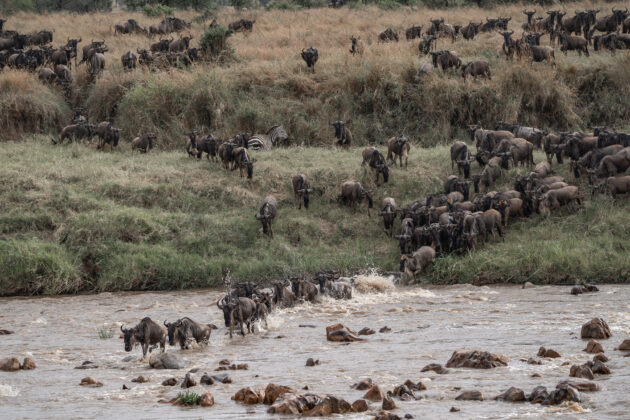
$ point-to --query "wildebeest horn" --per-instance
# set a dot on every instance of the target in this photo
(165, 323)
(122, 329)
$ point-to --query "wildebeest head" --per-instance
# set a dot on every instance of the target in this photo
(339, 128)
(130, 338)
(171, 327)
(223, 305)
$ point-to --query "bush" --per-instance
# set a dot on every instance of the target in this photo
(214, 42)
(240, 4)
(157, 10)
(282, 5)
(188, 398)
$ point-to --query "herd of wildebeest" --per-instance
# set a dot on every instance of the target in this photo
(243, 306)
(451, 221)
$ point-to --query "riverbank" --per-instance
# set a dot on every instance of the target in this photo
(74, 219)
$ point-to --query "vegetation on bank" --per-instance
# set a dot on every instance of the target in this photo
(73, 219)
(259, 80)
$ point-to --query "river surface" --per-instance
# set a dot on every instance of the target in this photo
(427, 324)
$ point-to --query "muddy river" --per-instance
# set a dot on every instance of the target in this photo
(427, 324)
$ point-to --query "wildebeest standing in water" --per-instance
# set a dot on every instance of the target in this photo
(342, 133)
(398, 146)
(267, 213)
(185, 329)
(352, 192)
(310, 56)
(301, 190)
(146, 333)
(237, 311)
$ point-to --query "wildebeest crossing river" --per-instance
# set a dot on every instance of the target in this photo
(427, 325)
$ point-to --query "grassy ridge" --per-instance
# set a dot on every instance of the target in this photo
(73, 219)
(267, 82)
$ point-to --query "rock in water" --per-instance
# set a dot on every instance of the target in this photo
(170, 382)
(374, 394)
(600, 357)
(91, 382)
(562, 393)
(189, 381)
(476, 359)
(273, 391)
(388, 403)
(5, 332)
(363, 384)
(596, 328)
(470, 396)
(512, 395)
(206, 380)
(625, 346)
(360, 406)
(28, 364)
(538, 395)
(367, 331)
(580, 386)
(594, 346)
(249, 396)
(9, 364)
(140, 379)
(582, 371)
(166, 361)
(310, 362)
(435, 367)
(550, 353)
(206, 400)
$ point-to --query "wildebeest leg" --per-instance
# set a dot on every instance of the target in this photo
(145, 348)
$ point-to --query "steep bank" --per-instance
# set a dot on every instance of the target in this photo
(74, 219)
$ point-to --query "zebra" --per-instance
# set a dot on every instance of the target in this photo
(274, 136)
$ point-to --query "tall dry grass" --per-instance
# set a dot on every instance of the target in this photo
(268, 83)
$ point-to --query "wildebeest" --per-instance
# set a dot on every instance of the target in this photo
(282, 296)
(185, 329)
(15, 41)
(413, 32)
(342, 133)
(108, 134)
(388, 35)
(207, 144)
(573, 43)
(492, 222)
(267, 213)
(389, 210)
(180, 45)
(143, 143)
(352, 192)
(617, 185)
(461, 155)
(75, 132)
(242, 25)
(418, 261)
(529, 25)
(301, 190)
(310, 56)
(427, 44)
(445, 59)
(469, 31)
(47, 75)
(357, 47)
(162, 45)
(97, 64)
(146, 333)
(92, 48)
(553, 199)
(129, 60)
(60, 56)
(128, 26)
(612, 165)
(424, 70)
(592, 158)
(608, 138)
(491, 172)
(39, 38)
(541, 53)
(609, 23)
(376, 162)
(304, 290)
(398, 147)
(243, 162)
(577, 146)
(476, 68)
(453, 183)
(338, 289)
(237, 312)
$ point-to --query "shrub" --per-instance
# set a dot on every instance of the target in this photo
(157, 10)
(214, 42)
(188, 398)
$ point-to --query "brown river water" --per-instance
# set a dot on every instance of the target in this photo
(427, 324)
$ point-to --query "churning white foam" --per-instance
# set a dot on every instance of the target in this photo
(8, 391)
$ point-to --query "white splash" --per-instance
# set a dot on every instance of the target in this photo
(8, 391)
